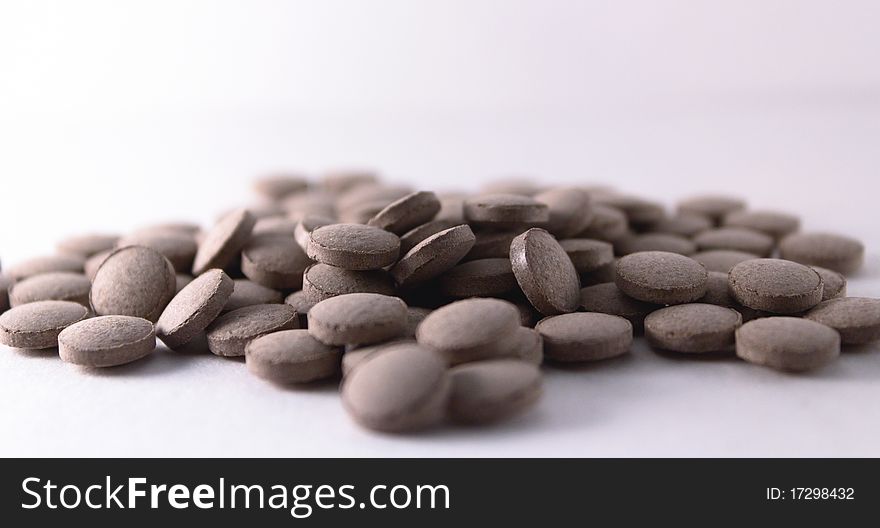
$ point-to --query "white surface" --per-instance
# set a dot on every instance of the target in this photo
(113, 116)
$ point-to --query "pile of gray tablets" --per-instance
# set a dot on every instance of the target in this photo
(443, 307)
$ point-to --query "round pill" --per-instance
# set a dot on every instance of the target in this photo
(857, 319)
(278, 186)
(231, 332)
(354, 357)
(597, 190)
(46, 264)
(414, 317)
(321, 281)
(274, 261)
(224, 241)
(432, 256)
(264, 209)
(311, 202)
(374, 197)
(36, 325)
(478, 278)
(189, 229)
(491, 244)
(357, 318)
(608, 224)
(718, 293)
(607, 298)
(569, 208)
(194, 308)
(362, 213)
(504, 211)
(639, 212)
(528, 316)
(341, 180)
(376, 193)
(585, 336)
(722, 260)
(775, 285)
(415, 235)
(91, 265)
(772, 223)
(87, 245)
(736, 239)
(198, 345)
(492, 390)
(835, 252)
(511, 185)
(833, 283)
(275, 225)
(713, 207)
(133, 280)
(654, 242)
(353, 246)
(544, 272)
(686, 225)
(787, 343)
(291, 356)
(107, 341)
(54, 286)
(527, 346)
(179, 249)
(398, 389)
(306, 225)
(661, 278)
(692, 328)
(249, 293)
(406, 213)
(600, 275)
(470, 329)
(451, 207)
(588, 255)
(302, 304)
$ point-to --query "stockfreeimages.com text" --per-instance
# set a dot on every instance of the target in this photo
(300, 500)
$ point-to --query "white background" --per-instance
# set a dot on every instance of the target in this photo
(115, 114)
